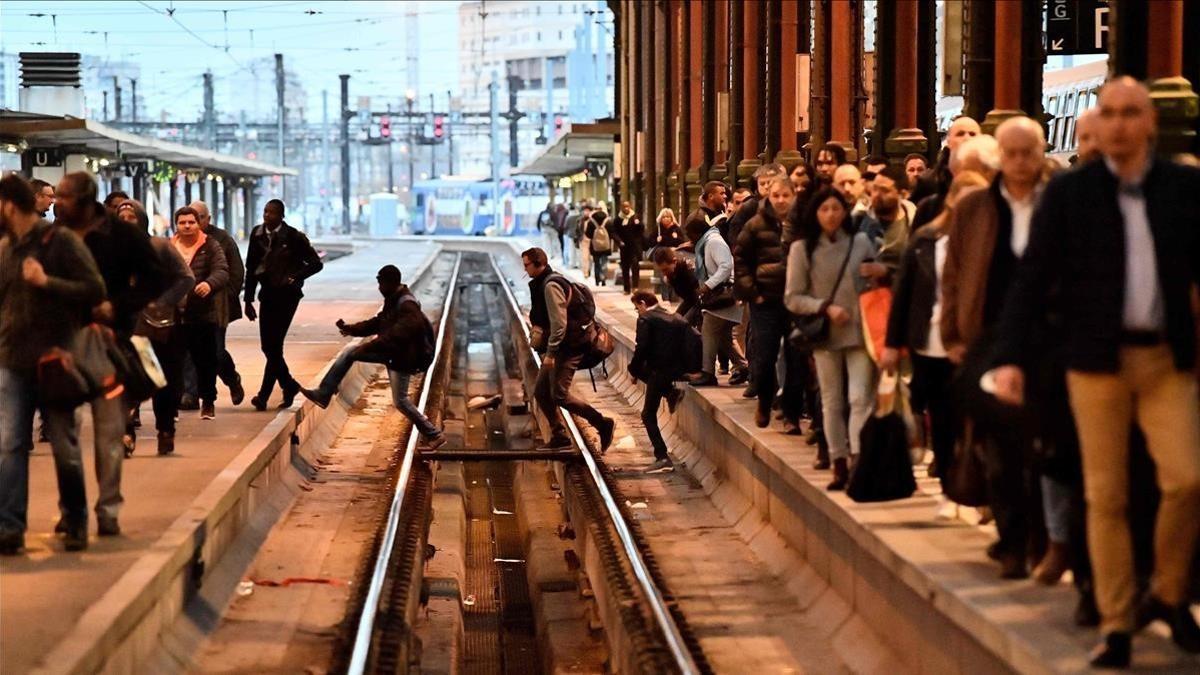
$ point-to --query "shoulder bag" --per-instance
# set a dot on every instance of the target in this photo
(810, 331)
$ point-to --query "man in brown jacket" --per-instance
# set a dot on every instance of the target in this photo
(988, 233)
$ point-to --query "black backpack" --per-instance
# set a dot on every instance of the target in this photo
(584, 335)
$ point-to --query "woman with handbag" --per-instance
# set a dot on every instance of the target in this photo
(201, 311)
(158, 323)
(822, 288)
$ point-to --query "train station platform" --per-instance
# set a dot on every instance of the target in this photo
(923, 586)
(80, 612)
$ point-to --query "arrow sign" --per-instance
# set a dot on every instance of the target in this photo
(1057, 45)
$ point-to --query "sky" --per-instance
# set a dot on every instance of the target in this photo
(175, 42)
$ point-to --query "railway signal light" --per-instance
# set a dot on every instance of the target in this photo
(439, 127)
(385, 127)
(558, 124)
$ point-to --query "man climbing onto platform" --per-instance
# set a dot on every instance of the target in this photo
(561, 313)
(404, 341)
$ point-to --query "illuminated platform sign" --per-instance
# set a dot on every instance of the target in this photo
(1077, 27)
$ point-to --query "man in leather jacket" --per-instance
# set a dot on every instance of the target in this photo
(404, 341)
(279, 259)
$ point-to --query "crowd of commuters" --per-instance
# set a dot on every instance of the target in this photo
(96, 268)
(1044, 315)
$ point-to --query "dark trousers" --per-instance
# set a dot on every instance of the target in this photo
(200, 343)
(1007, 470)
(656, 390)
(600, 266)
(277, 308)
(553, 390)
(630, 269)
(931, 395)
(769, 323)
(226, 368)
(171, 355)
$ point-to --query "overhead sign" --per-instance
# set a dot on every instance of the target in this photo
(47, 156)
(1077, 27)
(599, 167)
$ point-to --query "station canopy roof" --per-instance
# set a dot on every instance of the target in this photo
(570, 153)
(82, 135)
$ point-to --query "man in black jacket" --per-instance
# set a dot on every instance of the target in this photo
(658, 360)
(759, 261)
(48, 285)
(631, 237)
(560, 323)
(133, 275)
(404, 342)
(1117, 238)
(279, 259)
(230, 304)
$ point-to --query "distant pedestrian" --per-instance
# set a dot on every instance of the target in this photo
(915, 164)
(558, 315)
(760, 263)
(601, 236)
(48, 285)
(201, 313)
(669, 233)
(159, 323)
(829, 158)
(631, 235)
(278, 261)
(658, 360)
(229, 305)
(44, 194)
(401, 338)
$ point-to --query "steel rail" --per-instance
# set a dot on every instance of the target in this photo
(658, 604)
(366, 621)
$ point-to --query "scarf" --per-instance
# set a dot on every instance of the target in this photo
(701, 271)
(189, 252)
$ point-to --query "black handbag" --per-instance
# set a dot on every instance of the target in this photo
(810, 331)
(719, 298)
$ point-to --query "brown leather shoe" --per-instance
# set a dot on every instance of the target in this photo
(841, 475)
(1053, 565)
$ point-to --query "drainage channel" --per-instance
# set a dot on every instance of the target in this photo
(498, 623)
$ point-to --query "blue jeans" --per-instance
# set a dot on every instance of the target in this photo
(399, 383)
(18, 399)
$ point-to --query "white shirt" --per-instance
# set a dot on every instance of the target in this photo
(1022, 214)
(1142, 306)
(933, 346)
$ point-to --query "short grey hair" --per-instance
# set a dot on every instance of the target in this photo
(983, 149)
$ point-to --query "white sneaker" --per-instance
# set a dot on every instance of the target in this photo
(946, 509)
(660, 466)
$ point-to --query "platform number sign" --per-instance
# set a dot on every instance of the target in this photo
(1077, 27)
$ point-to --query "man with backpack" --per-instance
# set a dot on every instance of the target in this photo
(563, 315)
(404, 342)
(665, 345)
(600, 234)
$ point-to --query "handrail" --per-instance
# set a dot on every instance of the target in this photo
(366, 621)
(658, 604)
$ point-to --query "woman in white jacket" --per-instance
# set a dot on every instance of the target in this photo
(827, 282)
(714, 270)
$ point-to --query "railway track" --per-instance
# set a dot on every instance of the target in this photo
(483, 349)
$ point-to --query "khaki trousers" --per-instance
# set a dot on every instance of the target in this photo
(1146, 388)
